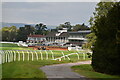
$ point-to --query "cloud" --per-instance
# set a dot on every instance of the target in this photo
(50, 0)
(58, 0)
(52, 13)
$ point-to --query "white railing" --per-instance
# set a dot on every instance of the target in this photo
(67, 56)
(29, 55)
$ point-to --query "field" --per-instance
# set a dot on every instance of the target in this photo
(29, 67)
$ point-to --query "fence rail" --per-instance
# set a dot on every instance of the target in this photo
(30, 55)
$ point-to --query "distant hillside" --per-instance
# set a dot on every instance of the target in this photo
(13, 24)
(4, 24)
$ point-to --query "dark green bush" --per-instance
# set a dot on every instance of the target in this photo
(106, 52)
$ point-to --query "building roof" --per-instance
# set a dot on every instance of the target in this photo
(82, 31)
(53, 34)
(66, 34)
(36, 36)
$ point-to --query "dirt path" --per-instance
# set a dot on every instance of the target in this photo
(63, 70)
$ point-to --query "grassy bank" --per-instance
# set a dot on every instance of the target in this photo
(87, 70)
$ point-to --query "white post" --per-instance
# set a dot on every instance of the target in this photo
(28, 55)
(52, 54)
(1, 58)
(78, 56)
(23, 55)
(18, 55)
(84, 56)
(11, 56)
(36, 55)
(46, 55)
(63, 55)
(14, 55)
(41, 55)
(32, 55)
(6, 57)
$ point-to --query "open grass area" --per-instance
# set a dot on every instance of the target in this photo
(87, 70)
(29, 68)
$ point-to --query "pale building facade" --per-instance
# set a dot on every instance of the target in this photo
(78, 37)
(36, 39)
(59, 37)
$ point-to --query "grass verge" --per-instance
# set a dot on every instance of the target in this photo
(87, 70)
(20, 69)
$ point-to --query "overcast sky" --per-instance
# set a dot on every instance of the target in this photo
(50, 13)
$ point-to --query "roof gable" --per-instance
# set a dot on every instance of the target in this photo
(36, 36)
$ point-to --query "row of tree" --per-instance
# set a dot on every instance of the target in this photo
(13, 34)
(76, 27)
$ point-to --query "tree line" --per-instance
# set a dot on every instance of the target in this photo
(13, 34)
(105, 38)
